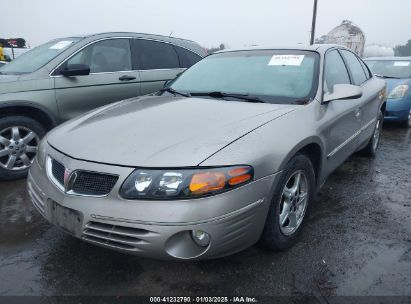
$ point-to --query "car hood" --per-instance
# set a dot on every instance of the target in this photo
(161, 131)
(8, 78)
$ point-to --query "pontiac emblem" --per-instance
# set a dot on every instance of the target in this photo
(67, 173)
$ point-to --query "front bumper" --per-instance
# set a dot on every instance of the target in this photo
(397, 110)
(155, 229)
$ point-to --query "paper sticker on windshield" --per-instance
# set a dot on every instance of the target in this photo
(401, 63)
(60, 45)
(293, 60)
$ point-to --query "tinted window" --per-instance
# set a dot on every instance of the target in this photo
(187, 58)
(105, 56)
(155, 55)
(275, 76)
(335, 71)
(355, 67)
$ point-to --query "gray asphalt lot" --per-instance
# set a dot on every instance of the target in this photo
(357, 242)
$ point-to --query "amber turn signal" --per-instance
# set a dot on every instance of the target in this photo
(207, 182)
(239, 175)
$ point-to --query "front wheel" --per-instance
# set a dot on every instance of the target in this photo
(19, 139)
(372, 146)
(290, 204)
(407, 123)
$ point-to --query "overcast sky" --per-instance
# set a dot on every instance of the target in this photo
(209, 22)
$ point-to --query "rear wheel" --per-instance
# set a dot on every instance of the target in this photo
(19, 139)
(372, 146)
(290, 204)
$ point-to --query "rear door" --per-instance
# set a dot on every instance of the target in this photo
(369, 102)
(157, 62)
(341, 116)
(111, 78)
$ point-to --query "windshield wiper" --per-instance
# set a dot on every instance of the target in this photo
(390, 77)
(172, 91)
(218, 94)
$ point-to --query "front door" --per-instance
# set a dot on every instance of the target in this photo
(341, 118)
(111, 78)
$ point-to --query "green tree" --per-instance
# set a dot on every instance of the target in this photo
(403, 50)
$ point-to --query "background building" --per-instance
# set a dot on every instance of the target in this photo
(347, 34)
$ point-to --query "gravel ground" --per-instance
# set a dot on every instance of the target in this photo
(357, 242)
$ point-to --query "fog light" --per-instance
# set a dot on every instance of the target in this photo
(200, 237)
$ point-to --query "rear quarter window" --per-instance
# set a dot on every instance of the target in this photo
(155, 55)
(187, 58)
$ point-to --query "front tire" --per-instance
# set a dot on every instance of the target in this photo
(290, 205)
(19, 140)
(372, 146)
(407, 123)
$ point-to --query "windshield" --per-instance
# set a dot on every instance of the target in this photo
(390, 68)
(274, 76)
(37, 57)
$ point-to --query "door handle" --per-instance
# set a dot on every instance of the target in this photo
(126, 78)
(358, 113)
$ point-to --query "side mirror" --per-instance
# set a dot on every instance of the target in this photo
(343, 91)
(75, 70)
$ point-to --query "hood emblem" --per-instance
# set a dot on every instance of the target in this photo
(69, 179)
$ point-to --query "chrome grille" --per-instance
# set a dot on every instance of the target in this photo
(80, 182)
(57, 169)
(91, 183)
(121, 237)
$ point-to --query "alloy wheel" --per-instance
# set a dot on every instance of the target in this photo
(293, 204)
(18, 147)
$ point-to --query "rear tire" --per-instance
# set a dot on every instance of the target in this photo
(19, 139)
(282, 227)
(372, 146)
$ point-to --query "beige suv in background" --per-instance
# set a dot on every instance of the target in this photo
(66, 77)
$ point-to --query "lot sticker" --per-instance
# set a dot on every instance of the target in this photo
(60, 45)
(401, 63)
(293, 60)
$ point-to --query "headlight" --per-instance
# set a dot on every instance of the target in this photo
(184, 183)
(42, 152)
(398, 92)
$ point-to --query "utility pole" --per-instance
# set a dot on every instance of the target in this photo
(313, 23)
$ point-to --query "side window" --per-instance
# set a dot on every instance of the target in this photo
(186, 57)
(155, 55)
(110, 55)
(355, 67)
(366, 69)
(335, 71)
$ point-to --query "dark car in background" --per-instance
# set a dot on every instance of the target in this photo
(397, 73)
(66, 77)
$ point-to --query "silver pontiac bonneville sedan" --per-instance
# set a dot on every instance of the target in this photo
(229, 154)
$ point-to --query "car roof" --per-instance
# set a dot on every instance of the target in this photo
(192, 45)
(136, 34)
(396, 58)
(321, 48)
